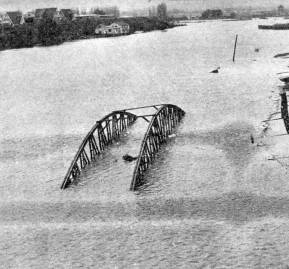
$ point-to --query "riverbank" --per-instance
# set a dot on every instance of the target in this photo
(47, 32)
(277, 26)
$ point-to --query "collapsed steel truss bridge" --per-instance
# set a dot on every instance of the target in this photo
(109, 129)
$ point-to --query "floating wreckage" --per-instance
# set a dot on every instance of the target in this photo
(215, 71)
(285, 79)
(110, 128)
(129, 158)
(282, 55)
(252, 139)
(172, 136)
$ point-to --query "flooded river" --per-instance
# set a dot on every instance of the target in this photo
(213, 199)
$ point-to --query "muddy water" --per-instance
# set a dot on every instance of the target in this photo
(212, 199)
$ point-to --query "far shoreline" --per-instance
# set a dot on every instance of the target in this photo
(49, 33)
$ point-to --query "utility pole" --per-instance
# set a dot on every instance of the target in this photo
(235, 48)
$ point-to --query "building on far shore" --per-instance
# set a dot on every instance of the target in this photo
(49, 13)
(11, 18)
(81, 17)
(15, 17)
(28, 17)
(5, 20)
(119, 28)
(67, 13)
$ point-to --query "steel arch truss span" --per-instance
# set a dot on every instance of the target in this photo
(102, 134)
(161, 126)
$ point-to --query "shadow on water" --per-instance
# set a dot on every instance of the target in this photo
(235, 207)
(181, 154)
(32, 148)
(233, 139)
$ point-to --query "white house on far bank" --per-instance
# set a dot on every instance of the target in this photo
(116, 28)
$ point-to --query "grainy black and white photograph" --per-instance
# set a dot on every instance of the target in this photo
(144, 134)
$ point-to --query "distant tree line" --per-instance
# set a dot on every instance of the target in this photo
(162, 11)
(113, 10)
(97, 11)
(48, 32)
(212, 14)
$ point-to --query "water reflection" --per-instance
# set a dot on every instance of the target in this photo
(235, 207)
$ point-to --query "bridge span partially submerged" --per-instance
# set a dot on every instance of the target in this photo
(109, 129)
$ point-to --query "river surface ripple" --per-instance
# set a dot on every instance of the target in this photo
(212, 198)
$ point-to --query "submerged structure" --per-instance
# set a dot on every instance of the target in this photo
(284, 110)
(161, 126)
(109, 129)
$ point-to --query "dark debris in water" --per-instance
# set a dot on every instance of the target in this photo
(281, 55)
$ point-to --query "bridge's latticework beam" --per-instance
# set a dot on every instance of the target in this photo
(161, 126)
(102, 134)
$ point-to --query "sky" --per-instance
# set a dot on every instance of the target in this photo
(138, 4)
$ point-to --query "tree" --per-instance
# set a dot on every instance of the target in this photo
(281, 10)
(233, 14)
(162, 11)
(113, 10)
(97, 11)
(212, 14)
(49, 32)
(88, 27)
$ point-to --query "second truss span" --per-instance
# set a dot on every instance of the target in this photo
(161, 126)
